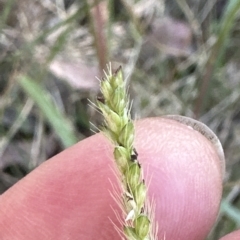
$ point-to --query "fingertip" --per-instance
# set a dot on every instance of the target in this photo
(232, 236)
(185, 178)
(206, 132)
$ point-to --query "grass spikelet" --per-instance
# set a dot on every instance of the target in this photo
(119, 128)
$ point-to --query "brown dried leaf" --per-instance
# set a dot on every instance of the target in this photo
(78, 75)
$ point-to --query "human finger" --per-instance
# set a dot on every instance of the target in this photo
(232, 236)
(68, 196)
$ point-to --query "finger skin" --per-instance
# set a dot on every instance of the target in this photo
(232, 236)
(68, 197)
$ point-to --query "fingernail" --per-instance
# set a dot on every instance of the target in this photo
(206, 132)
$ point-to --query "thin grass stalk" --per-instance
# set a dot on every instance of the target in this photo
(97, 28)
(134, 19)
(59, 44)
(74, 17)
(217, 53)
(232, 212)
(15, 126)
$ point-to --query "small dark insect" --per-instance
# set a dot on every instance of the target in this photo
(101, 99)
(139, 165)
(135, 151)
(134, 155)
(118, 69)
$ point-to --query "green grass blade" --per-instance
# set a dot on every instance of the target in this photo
(60, 123)
(5, 12)
(226, 26)
(231, 211)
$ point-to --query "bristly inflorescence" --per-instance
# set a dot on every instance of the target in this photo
(119, 128)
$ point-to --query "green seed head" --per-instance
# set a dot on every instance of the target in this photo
(126, 136)
(106, 89)
(119, 128)
(133, 175)
(139, 194)
(130, 233)
(122, 157)
(142, 226)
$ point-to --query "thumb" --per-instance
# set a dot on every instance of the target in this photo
(232, 236)
(68, 196)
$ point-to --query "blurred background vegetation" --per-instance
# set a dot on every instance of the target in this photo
(179, 57)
